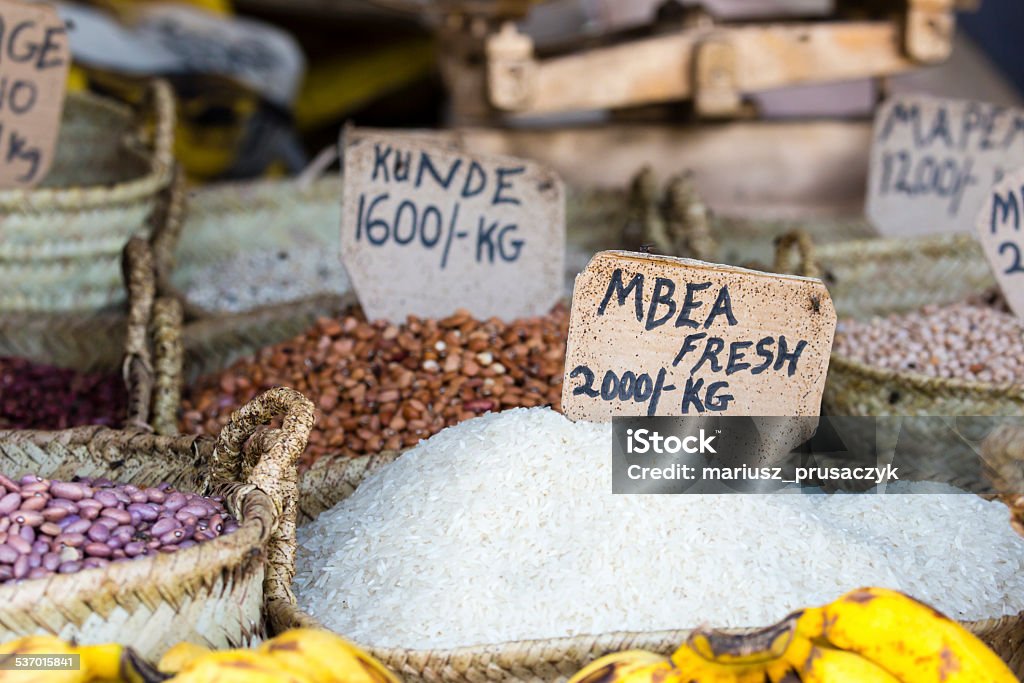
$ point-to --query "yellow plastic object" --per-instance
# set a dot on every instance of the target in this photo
(336, 87)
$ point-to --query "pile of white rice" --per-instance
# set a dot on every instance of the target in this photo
(505, 528)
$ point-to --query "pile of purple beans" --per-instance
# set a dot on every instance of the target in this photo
(59, 527)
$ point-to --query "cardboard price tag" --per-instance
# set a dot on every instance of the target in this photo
(999, 231)
(427, 229)
(657, 335)
(934, 160)
(34, 62)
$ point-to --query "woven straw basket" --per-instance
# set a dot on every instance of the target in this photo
(879, 277)
(330, 481)
(213, 593)
(61, 243)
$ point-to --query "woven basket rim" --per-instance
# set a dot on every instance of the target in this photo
(157, 177)
(916, 380)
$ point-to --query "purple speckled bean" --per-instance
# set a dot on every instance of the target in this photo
(70, 540)
(164, 526)
(9, 483)
(68, 521)
(21, 567)
(69, 567)
(52, 514)
(98, 532)
(204, 535)
(173, 536)
(119, 554)
(95, 562)
(69, 505)
(77, 527)
(90, 503)
(122, 497)
(50, 529)
(28, 533)
(118, 515)
(67, 490)
(38, 573)
(188, 543)
(35, 560)
(7, 554)
(89, 513)
(111, 524)
(115, 542)
(29, 479)
(167, 549)
(102, 482)
(28, 518)
(106, 498)
(10, 503)
(163, 486)
(217, 523)
(147, 511)
(185, 518)
(138, 496)
(41, 547)
(134, 548)
(197, 510)
(175, 501)
(20, 544)
(5, 523)
(98, 550)
(51, 561)
(35, 503)
(230, 527)
(34, 488)
(155, 495)
(136, 517)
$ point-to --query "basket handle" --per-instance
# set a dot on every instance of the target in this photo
(137, 368)
(159, 99)
(804, 246)
(168, 364)
(270, 464)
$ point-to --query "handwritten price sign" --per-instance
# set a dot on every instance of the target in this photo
(656, 335)
(999, 228)
(34, 62)
(934, 160)
(427, 230)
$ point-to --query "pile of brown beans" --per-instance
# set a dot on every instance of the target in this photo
(61, 527)
(976, 340)
(382, 386)
(36, 396)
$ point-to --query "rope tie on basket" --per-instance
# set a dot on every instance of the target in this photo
(800, 241)
(137, 369)
(268, 461)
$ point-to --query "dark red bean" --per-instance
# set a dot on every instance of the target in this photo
(67, 490)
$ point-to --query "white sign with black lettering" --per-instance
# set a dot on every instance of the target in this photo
(34, 62)
(934, 160)
(999, 228)
(427, 229)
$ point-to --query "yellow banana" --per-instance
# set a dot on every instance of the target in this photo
(819, 664)
(237, 666)
(180, 656)
(906, 638)
(715, 657)
(39, 645)
(621, 666)
(324, 657)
